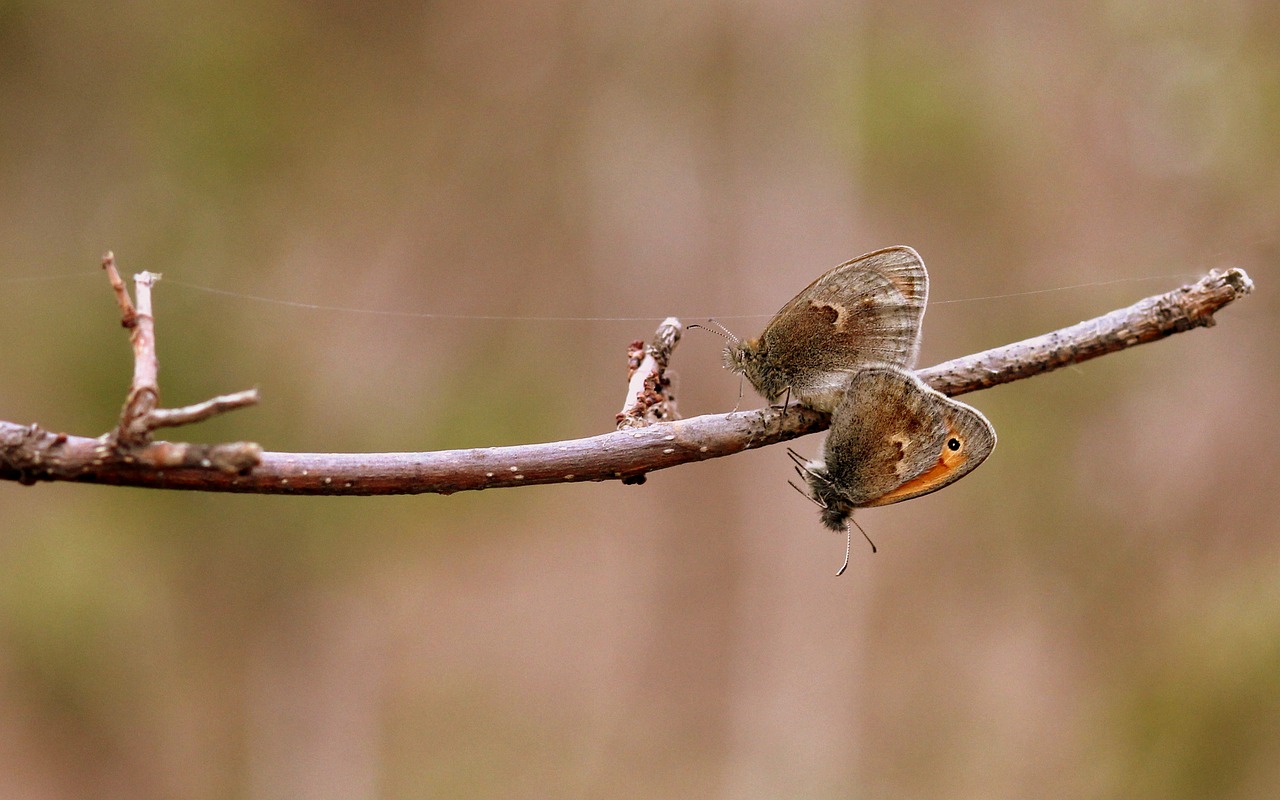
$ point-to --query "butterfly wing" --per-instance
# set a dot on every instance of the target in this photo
(893, 438)
(867, 310)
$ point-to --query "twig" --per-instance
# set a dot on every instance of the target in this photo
(198, 412)
(127, 312)
(1148, 320)
(649, 397)
(30, 454)
(129, 445)
(144, 391)
(141, 413)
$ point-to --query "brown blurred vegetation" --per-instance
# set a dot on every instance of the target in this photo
(1094, 613)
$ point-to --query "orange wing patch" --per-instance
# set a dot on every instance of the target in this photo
(932, 479)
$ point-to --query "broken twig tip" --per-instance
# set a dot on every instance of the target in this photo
(649, 395)
(1239, 280)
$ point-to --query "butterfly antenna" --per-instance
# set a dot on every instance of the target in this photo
(718, 330)
(808, 496)
(802, 468)
(848, 548)
(864, 534)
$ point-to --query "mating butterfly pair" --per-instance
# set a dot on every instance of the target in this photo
(846, 345)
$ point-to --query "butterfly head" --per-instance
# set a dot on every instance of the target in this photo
(742, 356)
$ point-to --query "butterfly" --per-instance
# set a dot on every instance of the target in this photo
(892, 438)
(865, 311)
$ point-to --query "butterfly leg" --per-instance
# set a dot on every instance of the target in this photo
(786, 401)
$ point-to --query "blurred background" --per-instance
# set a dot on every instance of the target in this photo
(1094, 613)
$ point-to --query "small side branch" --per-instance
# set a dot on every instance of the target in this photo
(141, 413)
(199, 412)
(144, 391)
(649, 397)
(30, 454)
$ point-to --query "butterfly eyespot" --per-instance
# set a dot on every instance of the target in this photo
(953, 444)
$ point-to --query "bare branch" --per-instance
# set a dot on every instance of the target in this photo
(1148, 320)
(29, 453)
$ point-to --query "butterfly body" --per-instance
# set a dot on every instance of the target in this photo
(867, 310)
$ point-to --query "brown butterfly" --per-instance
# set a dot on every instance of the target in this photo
(864, 311)
(892, 438)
